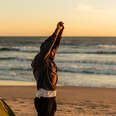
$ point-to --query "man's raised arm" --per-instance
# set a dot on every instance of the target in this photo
(57, 43)
(47, 46)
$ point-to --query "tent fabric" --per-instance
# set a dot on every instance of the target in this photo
(5, 110)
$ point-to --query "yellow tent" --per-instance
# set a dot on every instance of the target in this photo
(5, 110)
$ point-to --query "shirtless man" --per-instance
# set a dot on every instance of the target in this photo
(45, 73)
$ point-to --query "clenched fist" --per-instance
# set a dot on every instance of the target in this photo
(60, 25)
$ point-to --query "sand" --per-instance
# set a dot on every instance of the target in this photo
(16, 83)
(71, 101)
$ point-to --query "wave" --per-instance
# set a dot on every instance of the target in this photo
(107, 46)
(88, 62)
(18, 50)
(98, 52)
(16, 69)
(90, 50)
(9, 49)
(65, 70)
(88, 71)
(15, 58)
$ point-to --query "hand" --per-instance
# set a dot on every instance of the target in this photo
(60, 25)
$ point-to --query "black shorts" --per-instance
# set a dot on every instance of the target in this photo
(45, 106)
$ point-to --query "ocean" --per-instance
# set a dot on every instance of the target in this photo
(81, 61)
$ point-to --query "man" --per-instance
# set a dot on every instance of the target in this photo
(45, 73)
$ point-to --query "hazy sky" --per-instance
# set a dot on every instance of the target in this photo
(39, 17)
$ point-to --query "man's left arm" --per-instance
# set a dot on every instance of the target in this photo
(57, 43)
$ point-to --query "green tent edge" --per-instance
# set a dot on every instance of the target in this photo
(9, 110)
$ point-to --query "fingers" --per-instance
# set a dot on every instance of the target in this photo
(60, 25)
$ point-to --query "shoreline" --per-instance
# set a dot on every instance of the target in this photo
(27, 83)
(16, 83)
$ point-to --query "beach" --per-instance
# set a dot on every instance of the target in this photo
(86, 69)
(71, 100)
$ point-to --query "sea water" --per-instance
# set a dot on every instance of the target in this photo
(81, 61)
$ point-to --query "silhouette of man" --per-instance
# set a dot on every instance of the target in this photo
(45, 73)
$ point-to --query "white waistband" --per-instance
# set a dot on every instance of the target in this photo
(45, 93)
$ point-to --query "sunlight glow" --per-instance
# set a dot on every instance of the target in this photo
(39, 17)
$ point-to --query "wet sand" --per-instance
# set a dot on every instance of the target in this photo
(71, 101)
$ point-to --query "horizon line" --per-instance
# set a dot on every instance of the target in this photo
(48, 36)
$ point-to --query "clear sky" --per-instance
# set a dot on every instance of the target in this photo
(39, 17)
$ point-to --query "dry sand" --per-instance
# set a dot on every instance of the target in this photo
(71, 101)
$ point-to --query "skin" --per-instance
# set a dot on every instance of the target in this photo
(60, 26)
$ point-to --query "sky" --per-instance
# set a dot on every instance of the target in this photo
(39, 17)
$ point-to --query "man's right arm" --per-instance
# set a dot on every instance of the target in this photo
(57, 43)
(47, 46)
